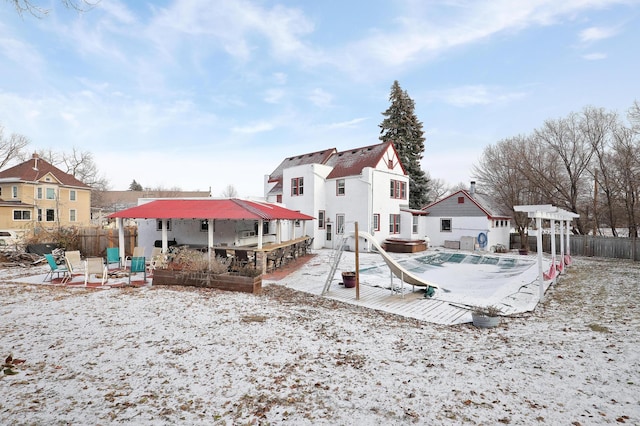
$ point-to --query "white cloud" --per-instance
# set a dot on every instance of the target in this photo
(346, 124)
(273, 96)
(596, 34)
(256, 127)
(320, 98)
(464, 96)
(594, 56)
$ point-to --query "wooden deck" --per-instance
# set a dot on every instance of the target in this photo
(312, 276)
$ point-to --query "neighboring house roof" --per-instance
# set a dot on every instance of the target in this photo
(484, 202)
(124, 199)
(35, 169)
(231, 208)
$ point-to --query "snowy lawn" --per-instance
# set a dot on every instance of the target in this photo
(166, 355)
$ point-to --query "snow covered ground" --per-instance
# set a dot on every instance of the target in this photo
(160, 355)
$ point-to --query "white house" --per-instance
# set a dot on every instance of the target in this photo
(367, 185)
(467, 216)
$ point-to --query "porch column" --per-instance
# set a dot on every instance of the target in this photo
(278, 231)
(260, 224)
(165, 235)
(209, 239)
(119, 224)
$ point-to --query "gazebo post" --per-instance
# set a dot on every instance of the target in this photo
(539, 250)
(552, 227)
(562, 245)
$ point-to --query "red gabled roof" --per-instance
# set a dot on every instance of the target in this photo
(353, 161)
(35, 168)
(232, 208)
(318, 157)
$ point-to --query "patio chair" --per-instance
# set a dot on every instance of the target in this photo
(95, 266)
(138, 264)
(308, 244)
(137, 252)
(241, 259)
(74, 261)
(113, 256)
(56, 269)
(221, 253)
(154, 260)
(275, 259)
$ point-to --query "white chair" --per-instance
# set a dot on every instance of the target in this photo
(95, 266)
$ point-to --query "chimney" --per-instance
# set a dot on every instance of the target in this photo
(472, 188)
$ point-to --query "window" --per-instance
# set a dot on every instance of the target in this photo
(159, 224)
(50, 215)
(340, 224)
(398, 189)
(460, 200)
(72, 215)
(414, 224)
(39, 196)
(394, 223)
(51, 194)
(445, 225)
(39, 215)
(376, 221)
(204, 225)
(321, 214)
(14, 191)
(0, 191)
(297, 186)
(72, 195)
(340, 187)
(22, 215)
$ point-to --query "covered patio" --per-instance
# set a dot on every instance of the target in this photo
(231, 209)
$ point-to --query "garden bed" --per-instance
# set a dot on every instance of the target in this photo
(227, 282)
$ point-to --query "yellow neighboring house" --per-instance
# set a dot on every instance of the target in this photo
(38, 194)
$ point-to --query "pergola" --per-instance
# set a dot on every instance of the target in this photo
(553, 214)
(209, 209)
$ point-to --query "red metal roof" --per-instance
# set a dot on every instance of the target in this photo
(206, 208)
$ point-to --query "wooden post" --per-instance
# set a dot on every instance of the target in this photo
(357, 264)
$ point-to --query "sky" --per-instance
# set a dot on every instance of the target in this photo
(200, 95)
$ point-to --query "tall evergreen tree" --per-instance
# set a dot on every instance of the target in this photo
(402, 127)
(135, 186)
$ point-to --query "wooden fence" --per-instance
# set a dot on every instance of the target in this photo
(587, 245)
(94, 241)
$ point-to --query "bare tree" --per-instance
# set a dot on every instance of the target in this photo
(502, 173)
(79, 164)
(597, 128)
(436, 188)
(567, 160)
(626, 164)
(230, 192)
(11, 147)
(32, 8)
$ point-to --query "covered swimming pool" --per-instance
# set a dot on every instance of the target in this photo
(465, 279)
